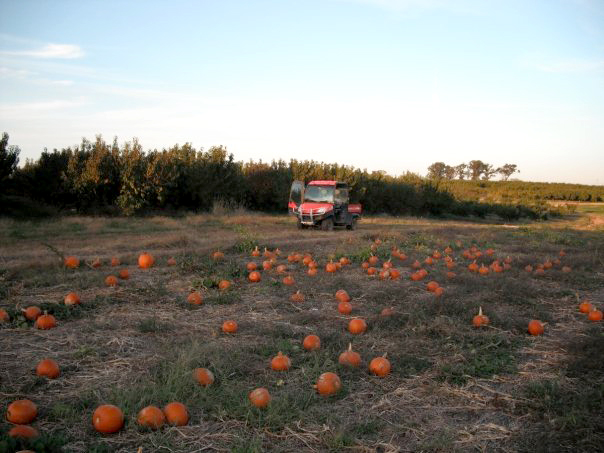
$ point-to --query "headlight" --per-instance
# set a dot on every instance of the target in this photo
(320, 211)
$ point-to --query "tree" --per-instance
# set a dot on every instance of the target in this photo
(450, 172)
(437, 170)
(9, 158)
(461, 171)
(507, 170)
(488, 172)
(475, 169)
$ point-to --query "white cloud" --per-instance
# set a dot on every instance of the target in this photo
(6, 72)
(63, 51)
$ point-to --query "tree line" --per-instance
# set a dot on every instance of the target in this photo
(474, 170)
(102, 177)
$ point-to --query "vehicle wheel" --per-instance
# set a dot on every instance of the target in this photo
(327, 225)
(352, 225)
(301, 226)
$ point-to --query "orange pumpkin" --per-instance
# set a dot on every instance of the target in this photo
(328, 384)
(217, 255)
(108, 419)
(373, 260)
(365, 265)
(312, 271)
(251, 266)
(256, 252)
(45, 322)
(96, 263)
(483, 270)
(23, 432)
(311, 343)
(32, 313)
(254, 277)
(416, 276)
(224, 285)
(4, 316)
(260, 397)
(480, 320)
(350, 357)
(439, 291)
(585, 306)
(297, 297)
(124, 274)
(371, 271)
(21, 412)
(345, 307)
(535, 327)
(48, 368)
(473, 267)
(267, 265)
(229, 326)
(416, 264)
(528, 268)
(357, 326)
(176, 414)
(115, 261)
(384, 275)
(566, 269)
(429, 261)
(171, 261)
(380, 366)
(289, 280)
(388, 311)
(151, 417)
(431, 286)
(111, 280)
(342, 295)
(145, 260)
(451, 274)
(71, 299)
(594, 315)
(280, 362)
(72, 262)
(281, 269)
(203, 376)
(195, 298)
(330, 267)
(394, 274)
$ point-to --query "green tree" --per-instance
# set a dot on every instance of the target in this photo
(507, 170)
(475, 169)
(461, 171)
(9, 158)
(437, 170)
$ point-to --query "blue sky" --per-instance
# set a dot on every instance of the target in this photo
(389, 85)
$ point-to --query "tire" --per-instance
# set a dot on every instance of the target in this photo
(300, 225)
(352, 225)
(327, 224)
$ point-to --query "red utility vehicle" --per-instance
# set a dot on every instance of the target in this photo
(323, 203)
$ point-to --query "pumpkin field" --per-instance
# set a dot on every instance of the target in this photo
(240, 333)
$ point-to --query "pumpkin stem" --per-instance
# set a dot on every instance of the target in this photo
(349, 347)
(385, 354)
(479, 311)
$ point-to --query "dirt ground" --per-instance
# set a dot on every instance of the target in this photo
(452, 387)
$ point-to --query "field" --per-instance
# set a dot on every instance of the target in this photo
(452, 387)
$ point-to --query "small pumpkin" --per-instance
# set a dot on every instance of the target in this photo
(330, 267)
(281, 269)
(111, 280)
(350, 357)
(145, 260)
(344, 307)
(562, 253)
(108, 419)
(431, 286)
(448, 250)
(260, 397)
(45, 322)
(32, 313)
(297, 297)
(394, 274)
(328, 384)
(195, 298)
(371, 271)
(311, 342)
(176, 414)
(566, 269)
(21, 412)
(124, 274)
(528, 268)
(473, 267)
(535, 327)
(539, 271)
(171, 261)
(4, 316)
(388, 311)
(357, 326)
(251, 266)
(151, 417)
(365, 265)
(384, 275)
(585, 306)
(480, 319)
(217, 255)
(436, 255)
(267, 265)
(380, 366)
(229, 326)
(451, 274)
(429, 261)
(72, 262)
(115, 261)
(422, 272)
(254, 277)
(224, 285)
(312, 271)
(23, 432)
(48, 368)
(439, 291)
(594, 315)
(256, 252)
(547, 264)
(96, 263)
(280, 362)
(373, 260)
(342, 295)
(203, 376)
(289, 280)
(483, 270)
(416, 264)
(416, 276)
(71, 299)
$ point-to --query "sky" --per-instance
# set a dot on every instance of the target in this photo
(390, 85)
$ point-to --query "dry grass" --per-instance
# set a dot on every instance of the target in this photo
(452, 387)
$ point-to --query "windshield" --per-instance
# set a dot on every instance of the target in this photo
(319, 194)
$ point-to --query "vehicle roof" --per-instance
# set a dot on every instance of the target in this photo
(322, 183)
